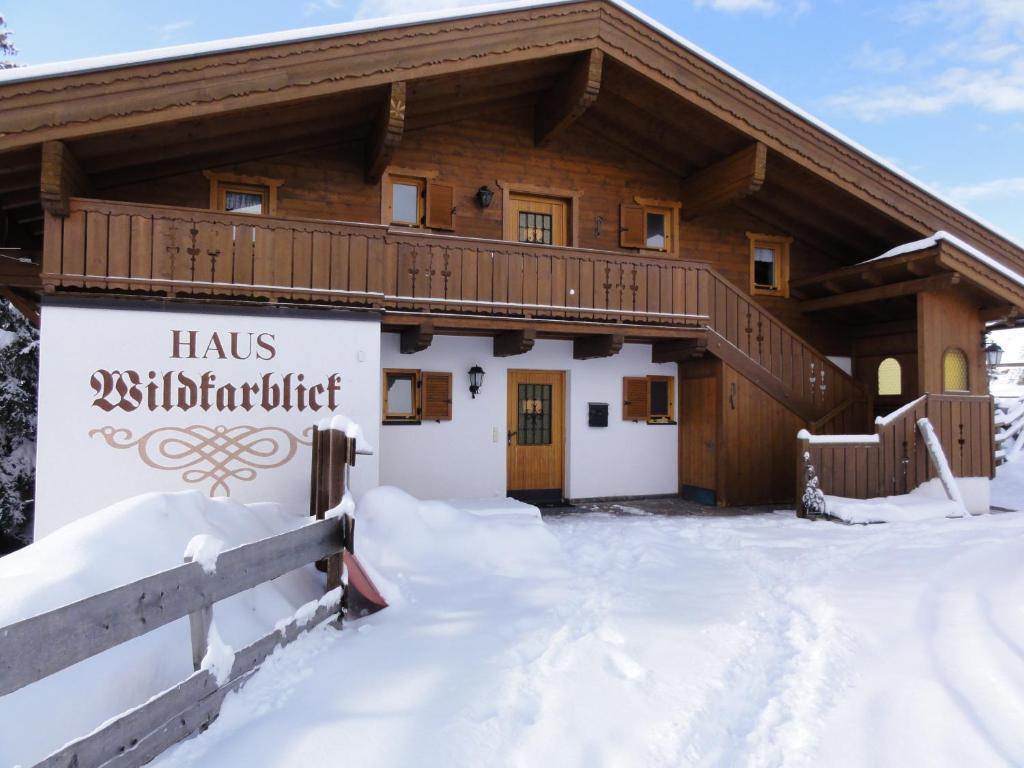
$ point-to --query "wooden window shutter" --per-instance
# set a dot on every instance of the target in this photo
(440, 206)
(437, 396)
(634, 398)
(631, 226)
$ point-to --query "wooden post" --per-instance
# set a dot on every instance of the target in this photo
(803, 447)
(199, 629)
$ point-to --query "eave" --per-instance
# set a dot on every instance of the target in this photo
(280, 69)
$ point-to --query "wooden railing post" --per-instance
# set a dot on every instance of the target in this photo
(803, 445)
(199, 629)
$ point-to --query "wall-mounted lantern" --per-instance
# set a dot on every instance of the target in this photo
(484, 195)
(993, 354)
(476, 380)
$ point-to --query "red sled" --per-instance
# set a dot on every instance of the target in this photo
(362, 596)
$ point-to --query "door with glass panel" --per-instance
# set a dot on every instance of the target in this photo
(541, 220)
(536, 435)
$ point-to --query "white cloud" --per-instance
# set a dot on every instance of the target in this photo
(884, 60)
(1009, 187)
(999, 90)
(370, 9)
(169, 31)
(739, 6)
(976, 61)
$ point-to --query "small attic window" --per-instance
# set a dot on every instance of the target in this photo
(233, 193)
(769, 265)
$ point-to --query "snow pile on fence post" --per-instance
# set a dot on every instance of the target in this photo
(938, 456)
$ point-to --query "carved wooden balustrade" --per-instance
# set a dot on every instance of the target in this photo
(192, 253)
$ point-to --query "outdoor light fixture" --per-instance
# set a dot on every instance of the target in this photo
(484, 195)
(993, 354)
(476, 380)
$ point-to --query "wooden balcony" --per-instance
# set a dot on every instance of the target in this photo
(196, 253)
(151, 250)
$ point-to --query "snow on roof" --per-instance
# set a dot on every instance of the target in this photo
(931, 242)
(92, 64)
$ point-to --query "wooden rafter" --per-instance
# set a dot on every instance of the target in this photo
(60, 178)
(598, 345)
(416, 338)
(512, 343)
(387, 132)
(727, 181)
(567, 100)
(677, 350)
(891, 291)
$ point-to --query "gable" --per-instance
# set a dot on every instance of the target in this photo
(296, 69)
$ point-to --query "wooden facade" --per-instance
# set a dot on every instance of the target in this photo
(109, 181)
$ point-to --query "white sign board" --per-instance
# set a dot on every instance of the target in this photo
(139, 400)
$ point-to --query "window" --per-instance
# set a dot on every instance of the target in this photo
(649, 398)
(256, 195)
(769, 265)
(415, 199)
(649, 224)
(408, 200)
(535, 227)
(890, 377)
(954, 371)
(243, 199)
(400, 389)
(533, 423)
(410, 395)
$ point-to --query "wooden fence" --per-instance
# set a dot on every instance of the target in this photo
(894, 460)
(42, 645)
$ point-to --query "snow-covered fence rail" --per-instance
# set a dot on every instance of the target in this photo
(42, 645)
(894, 460)
(1009, 420)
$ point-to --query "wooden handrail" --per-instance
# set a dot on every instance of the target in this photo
(95, 624)
(188, 252)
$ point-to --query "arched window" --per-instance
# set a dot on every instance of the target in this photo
(954, 371)
(890, 377)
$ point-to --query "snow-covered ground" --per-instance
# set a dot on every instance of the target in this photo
(596, 640)
(652, 641)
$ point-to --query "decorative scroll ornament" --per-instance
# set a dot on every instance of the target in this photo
(214, 455)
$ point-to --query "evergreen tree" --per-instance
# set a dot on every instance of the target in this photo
(6, 46)
(19, 371)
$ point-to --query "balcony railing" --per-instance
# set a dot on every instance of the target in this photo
(186, 252)
(181, 252)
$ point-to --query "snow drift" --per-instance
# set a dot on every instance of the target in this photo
(402, 542)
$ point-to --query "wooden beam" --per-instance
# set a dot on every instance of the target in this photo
(677, 350)
(416, 338)
(387, 132)
(489, 325)
(1000, 314)
(60, 177)
(28, 306)
(601, 345)
(906, 288)
(564, 103)
(725, 182)
(512, 343)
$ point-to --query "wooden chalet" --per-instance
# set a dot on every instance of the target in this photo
(663, 270)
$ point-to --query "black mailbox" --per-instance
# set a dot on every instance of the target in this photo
(597, 415)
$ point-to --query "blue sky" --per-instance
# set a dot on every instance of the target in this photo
(935, 86)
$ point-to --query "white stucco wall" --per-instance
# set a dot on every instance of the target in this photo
(465, 457)
(89, 449)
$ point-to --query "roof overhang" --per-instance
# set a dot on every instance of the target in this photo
(97, 96)
(940, 261)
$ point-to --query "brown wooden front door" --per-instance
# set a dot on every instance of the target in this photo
(698, 429)
(535, 219)
(536, 435)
